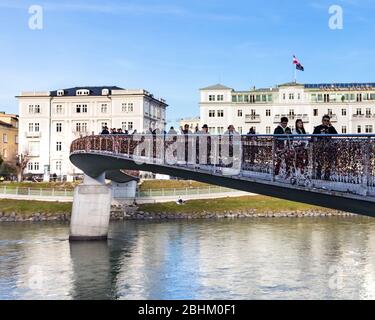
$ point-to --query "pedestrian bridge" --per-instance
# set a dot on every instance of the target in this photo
(336, 172)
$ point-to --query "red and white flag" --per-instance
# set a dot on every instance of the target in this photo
(295, 60)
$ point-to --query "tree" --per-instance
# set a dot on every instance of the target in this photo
(22, 161)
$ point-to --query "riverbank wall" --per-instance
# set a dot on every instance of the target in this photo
(119, 213)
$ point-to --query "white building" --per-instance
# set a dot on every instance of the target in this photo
(351, 107)
(50, 121)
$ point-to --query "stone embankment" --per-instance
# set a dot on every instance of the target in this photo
(132, 213)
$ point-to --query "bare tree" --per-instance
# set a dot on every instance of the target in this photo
(22, 161)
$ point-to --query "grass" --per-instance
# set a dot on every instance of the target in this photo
(171, 184)
(27, 208)
(259, 203)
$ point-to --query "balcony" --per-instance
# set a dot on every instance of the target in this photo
(252, 118)
(304, 117)
(33, 134)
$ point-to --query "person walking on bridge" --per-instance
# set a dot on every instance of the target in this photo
(282, 146)
(324, 150)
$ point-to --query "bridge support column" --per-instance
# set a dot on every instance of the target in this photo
(91, 210)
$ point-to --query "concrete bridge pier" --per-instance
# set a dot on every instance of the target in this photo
(91, 210)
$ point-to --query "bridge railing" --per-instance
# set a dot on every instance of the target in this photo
(335, 162)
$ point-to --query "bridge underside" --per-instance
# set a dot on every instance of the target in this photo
(94, 165)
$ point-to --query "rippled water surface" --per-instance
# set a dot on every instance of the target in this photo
(243, 259)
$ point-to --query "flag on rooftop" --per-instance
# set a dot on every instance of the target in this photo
(299, 66)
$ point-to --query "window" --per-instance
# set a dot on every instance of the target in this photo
(359, 97)
(239, 129)
(124, 107)
(34, 148)
(58, 127)
(81, 127)
(58, 166)
(33, 166)
(368, 112)
(211, 97)
(359, 129)
(5, 138)
(124, 126)
(291, 113)
(239, 113)
(343, 112)
(240, 98)
(103, 124)
(316, 113)
(36, 127)
(104, 108)
(344, 130)
(268, 112)
(264, 98)
(299, 96)
(284, 96)
(220, 97)
(5, 153)
(268, 130)
(34, 108)
(313, 97)
(220, 130)
(130, 107)
(330, 112)
(58, 146)
(291, 96)
(130, 125)
(234, 98)
(211, 113)
(368, 129)
(212, 130)
(81, 108)
(359, 112)
(59, 109)
(220, 113)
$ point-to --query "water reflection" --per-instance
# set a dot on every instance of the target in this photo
(247, 259)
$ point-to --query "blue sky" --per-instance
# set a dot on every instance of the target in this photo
(172, 48)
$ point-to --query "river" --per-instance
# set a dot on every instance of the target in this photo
(307, 258)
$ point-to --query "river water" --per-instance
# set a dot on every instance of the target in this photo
(307, 258)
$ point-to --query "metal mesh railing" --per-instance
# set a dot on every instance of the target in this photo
(343, 163)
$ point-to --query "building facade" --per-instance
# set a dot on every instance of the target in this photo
(9, 138)
(351, 107)
(50, 121)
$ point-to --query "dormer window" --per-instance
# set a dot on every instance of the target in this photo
(105, 92)
(60, 93)
(83, 92)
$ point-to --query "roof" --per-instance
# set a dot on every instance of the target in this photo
(94, 91)
(340, 85)
(291, 84)
(5, 124)
(217, 87)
